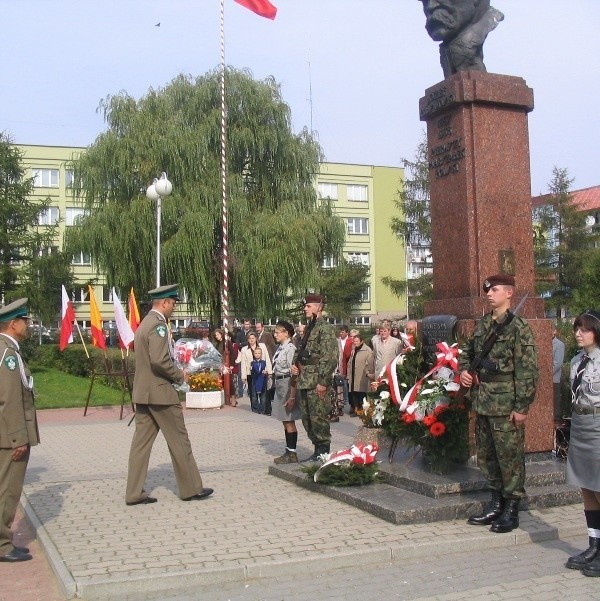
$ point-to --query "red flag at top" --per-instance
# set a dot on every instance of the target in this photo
(134, 314)
(261, 7)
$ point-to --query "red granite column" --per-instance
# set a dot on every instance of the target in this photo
(481, 211)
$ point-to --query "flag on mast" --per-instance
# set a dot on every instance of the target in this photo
(134, 314)
(67, 317)
(123, 327)
(261, 7)
(96, 322)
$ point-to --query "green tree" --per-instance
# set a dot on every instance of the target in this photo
(587, 294)
(344, 286)
(278, 232)
(413, 227)
(562, 244)
(21, 240)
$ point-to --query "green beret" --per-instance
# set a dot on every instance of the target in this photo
(15, 309)
(496, 280)
(170, 291)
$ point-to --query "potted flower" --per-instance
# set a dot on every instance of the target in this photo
(206, 390)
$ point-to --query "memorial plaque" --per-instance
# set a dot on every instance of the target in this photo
(434, 329)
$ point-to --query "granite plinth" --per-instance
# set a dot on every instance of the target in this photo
(412, 495)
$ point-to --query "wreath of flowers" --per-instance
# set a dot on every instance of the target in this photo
(351, 467)
(421, 410)
(205, 381)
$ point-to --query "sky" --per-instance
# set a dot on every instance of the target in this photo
(351, 70)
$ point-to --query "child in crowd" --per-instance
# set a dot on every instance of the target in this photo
(258, 370)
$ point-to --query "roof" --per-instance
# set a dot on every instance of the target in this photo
(587, 199)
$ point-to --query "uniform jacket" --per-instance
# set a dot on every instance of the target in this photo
(323, 353)
(515, 356)
(155, 371)
(363, 361)
(18, 421)
(589, 393)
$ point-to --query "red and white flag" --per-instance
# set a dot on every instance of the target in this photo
(261, 7)
(134, 313)
(66, 321)
(123, 327)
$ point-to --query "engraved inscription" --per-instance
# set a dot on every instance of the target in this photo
(437, 100)
(445, 158)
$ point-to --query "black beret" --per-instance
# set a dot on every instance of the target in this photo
(496, 280)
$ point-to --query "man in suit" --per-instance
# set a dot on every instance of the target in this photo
(157, 406)
(18, 423)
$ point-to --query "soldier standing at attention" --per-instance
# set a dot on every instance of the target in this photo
(157, 406)
(18, 423)
(502, 391)
(318, 362)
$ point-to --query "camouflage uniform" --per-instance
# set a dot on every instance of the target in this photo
(507, 383)
(318, 367)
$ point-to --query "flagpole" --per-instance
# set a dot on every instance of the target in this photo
(225, 292)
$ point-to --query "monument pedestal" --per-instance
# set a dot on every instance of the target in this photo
(480, 190)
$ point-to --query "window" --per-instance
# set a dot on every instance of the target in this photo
(328, 191)
(49, 217)
(365, 297)
(357, 193)
(82, 258)
(357, 225)
(361, 320)
(48, 250)
(360, 258)
(79, 295)
(68, 178)
(72, 214)
(107, 295)
(328, 263)
(45, 178)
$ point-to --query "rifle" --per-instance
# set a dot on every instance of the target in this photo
(478, 360)
(300, 357)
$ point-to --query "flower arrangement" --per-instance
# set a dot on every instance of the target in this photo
(205, 381)
(350, 467)
(422, 411)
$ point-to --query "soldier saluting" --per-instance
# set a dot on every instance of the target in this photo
(502, 390)
(318, 360)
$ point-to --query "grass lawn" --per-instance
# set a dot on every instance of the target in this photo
(56, 389)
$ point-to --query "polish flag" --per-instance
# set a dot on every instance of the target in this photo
(261, 7)
(66, 321)
(123, 327)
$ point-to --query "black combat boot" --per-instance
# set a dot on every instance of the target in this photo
(509, 520)
(592, 568)
(314, 456)
(492, 511)
(579, 561)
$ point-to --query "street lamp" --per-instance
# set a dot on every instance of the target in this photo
(157, 190)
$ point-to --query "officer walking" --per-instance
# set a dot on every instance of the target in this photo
(157, 406)
(502, 391)
(18, 423)
(318, 362)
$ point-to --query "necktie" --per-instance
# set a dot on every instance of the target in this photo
(576, 386)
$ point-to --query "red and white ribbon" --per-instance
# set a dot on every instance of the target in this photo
(359, 454)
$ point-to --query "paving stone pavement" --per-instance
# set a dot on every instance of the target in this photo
(257, 537)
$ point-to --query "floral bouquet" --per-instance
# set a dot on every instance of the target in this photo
(200, 359)
(350, 467)
(423, 413)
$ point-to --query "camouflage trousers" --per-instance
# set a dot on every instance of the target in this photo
(501, 454)
(315, 416)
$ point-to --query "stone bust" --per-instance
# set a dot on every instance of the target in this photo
(461, 26)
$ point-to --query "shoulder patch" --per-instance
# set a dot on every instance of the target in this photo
(161, 330)
(11, 363)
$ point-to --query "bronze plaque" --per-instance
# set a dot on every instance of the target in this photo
(507, 262)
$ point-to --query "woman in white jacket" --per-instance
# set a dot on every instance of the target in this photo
(245, 358)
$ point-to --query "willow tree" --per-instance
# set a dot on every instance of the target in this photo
(278, 232)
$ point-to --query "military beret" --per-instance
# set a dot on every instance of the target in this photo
(170, 291)
(15, 309)
(496, 280)
(286, 325)
(314, 298)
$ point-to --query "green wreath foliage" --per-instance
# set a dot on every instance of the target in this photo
(343, 475)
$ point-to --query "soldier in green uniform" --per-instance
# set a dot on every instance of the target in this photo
(317, 362)
(157, 406)
(502, 391)
(18, 423)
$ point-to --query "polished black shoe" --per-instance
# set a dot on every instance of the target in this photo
(592, 568)
(585, 557)
(143, 501)
(509, 520)
(15, 555)
(491, 512)
(22, 549)
(205, 492)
